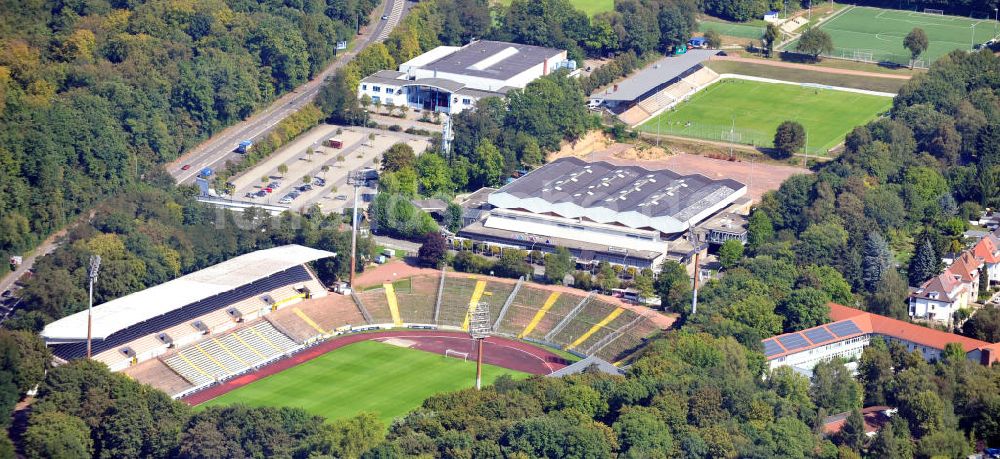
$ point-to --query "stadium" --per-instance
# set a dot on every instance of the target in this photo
(252, 317)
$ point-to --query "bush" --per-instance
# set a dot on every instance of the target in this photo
(469, 262)
(788, 139)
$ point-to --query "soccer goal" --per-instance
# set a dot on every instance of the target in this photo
(933, 11)
(456, 354)
(863, 55)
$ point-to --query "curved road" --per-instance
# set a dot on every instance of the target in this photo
(216, 150)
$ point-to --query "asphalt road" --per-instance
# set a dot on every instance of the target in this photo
(215, 151)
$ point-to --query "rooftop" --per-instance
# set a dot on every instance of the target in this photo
(656, 74)
(629, 196)
(580, 366)
(849, 323)
(490, 59)
(143, 305)
(943, 284)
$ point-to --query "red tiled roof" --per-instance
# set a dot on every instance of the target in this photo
(874, 417)
(943, 283)
(874, 323)
(965, 266)
(986, 250)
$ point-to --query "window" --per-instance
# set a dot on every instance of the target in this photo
(388, 101)
(376, 89)
(376, 99)
(364, 87)
(467, 101)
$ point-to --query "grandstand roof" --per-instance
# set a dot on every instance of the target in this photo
(488, 59)
(660, 72)
(630, 196)
(137, 307)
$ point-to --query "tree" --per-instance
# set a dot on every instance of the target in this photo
(924, 411)
(833, 388)
(282, 169)
(643, 283)
(804, 308)
(876, 261)
(771, 35)
(730, 253)
(924, 264)
(607, 278)
(397, 157)
(307, 179)
(984, 325)
(558, 264)
(489, 164)
(789, 138)
(57, 434)
(432, 251)
(713, 38)
(814, 42)
(852, 434)
(674, 287)
(916, 42)
(760, 228)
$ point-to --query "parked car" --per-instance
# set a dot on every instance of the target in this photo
(250, 195)
(261, 194)
(341, 197)
(274, 184)
(185, 167)
(268, 190)
(305, 188)
(385, 18)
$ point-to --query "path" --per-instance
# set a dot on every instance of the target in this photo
(220, 147)
(812, 68)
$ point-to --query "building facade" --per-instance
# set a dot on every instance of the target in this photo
(451, 79)
(621, 214)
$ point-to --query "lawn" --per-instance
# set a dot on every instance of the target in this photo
(748, 112)
(592, 7)
(750, 31)
(364, 376)
(862, 30)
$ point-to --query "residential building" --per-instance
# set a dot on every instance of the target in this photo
(450, 79)
(852, 331)
(938, 298)
(987, 251)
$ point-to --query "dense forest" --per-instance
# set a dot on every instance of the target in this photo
(95, 94)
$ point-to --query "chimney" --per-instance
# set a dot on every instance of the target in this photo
(545, 67)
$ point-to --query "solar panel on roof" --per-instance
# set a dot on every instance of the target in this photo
(792, 342)
(818, 335)
(771, 348)
(844, 328)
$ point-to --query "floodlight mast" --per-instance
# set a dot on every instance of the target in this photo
(479, 329)
(95, 266)
(356, 178)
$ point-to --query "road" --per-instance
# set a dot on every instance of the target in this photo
(215, 151)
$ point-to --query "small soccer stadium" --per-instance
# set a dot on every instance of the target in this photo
(749, 112)
(876, 35)
(262, 329)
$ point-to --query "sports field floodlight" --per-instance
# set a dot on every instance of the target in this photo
(356, 178)
(95, 266)
(479, 329)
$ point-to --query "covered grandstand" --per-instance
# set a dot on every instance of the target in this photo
(148, 323)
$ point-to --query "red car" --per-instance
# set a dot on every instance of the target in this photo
(185, 167)
(268, 190)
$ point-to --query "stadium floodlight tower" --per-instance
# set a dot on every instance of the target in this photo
(95, 266)
(479, 329)
(356, 178)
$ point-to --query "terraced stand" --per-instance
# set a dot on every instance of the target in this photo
(455, 298)
(528, 316)
(586, 318)
(416, 299)
(377, 305)
(222, 356)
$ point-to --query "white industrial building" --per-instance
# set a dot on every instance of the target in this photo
(625, 215)
(450, 79)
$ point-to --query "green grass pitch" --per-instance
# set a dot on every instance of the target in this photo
(753, 32)
(758, 108)
(592, 7)
(881, 32)
(364, 376)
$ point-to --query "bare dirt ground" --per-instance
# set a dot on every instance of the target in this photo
(812, 68)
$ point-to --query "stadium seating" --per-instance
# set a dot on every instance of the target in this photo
(526, 307)
(592, 313)
(377, 305)
(618, 318)
(416, 301)
(219, 357)
(458, 291)
(186, 314)
(628, 342)
(160, 375)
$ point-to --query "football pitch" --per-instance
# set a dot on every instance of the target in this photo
(877, 34)
(749, 112)
(365, 376)
(753, 32)
(592, 7)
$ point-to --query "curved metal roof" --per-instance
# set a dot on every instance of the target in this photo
(140, 306)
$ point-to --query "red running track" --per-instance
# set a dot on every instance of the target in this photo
(502, 352)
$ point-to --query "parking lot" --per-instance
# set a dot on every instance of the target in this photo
(326, 168)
